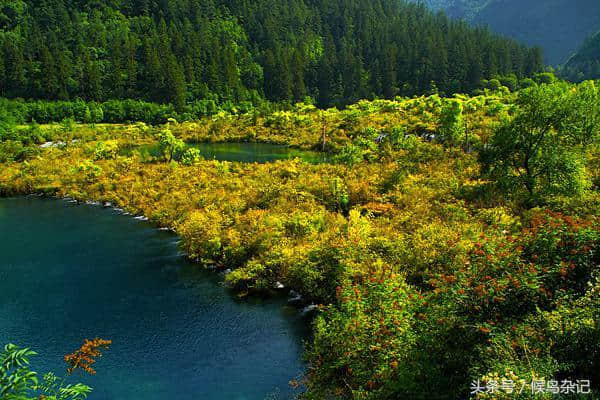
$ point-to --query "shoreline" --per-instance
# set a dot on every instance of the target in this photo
(293, 297)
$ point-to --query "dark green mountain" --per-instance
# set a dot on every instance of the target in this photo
(585, 64)
(558, 26)
(177, 51)
(466, 9)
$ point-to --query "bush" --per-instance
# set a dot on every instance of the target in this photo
(201, 233)
(505, 303)
(169, 145)
(88, 170)
(367, 343)
(106, 150)
(350, 155)
(190, 156)
(452, 127)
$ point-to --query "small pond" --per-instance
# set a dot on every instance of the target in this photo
(240, 152)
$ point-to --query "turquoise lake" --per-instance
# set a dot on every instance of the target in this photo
(69, 272)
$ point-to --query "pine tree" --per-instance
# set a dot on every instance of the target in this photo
(176, 91)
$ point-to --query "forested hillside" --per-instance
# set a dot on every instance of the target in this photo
(558, 26)
(336, 51)
(585, 64)
(466, 9)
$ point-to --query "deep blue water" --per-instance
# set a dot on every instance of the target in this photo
(69, 272)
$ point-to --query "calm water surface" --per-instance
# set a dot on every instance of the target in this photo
(69, 272)
(242, 152)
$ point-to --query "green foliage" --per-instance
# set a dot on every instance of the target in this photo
(513, 83)
(581, 124)
(56, 389)
(13, 150)
(366, 345)
(17, 144)
(532, 150)
(427, 276)
(88, 170)
(522, 307)
(15, 376)
(510, 81)
(492, 84)
(545, 78)
(19, 382)
(7, 123)
(528, 278)
(350, 155)
(112, 111)
(203, 235)
(67, 125)
(574, 328)
(106, 150)
(190, 156)
(169, 145)
(452, 128)
(339, 195)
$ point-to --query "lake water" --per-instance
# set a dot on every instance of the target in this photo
(242, 152)
(69, 272)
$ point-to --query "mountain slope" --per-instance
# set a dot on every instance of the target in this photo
(585, 64)
(558, 26)
(466, 9)
(178, 51)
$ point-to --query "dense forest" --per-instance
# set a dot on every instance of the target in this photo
(336, 51)
(557, 26)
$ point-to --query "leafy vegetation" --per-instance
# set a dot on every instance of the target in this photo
(112, 111)
(169, 145)
(19, 382)
(447, 240)
(537, 148)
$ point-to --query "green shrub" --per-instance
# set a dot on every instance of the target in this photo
(169, 145)
(190, 156)
(106, 150)
(366, 344)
